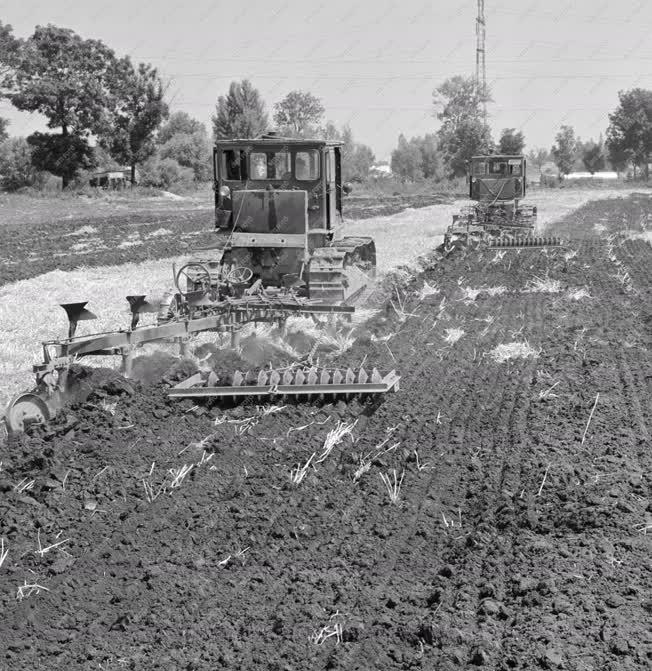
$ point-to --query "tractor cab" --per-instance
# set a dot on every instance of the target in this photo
(275, 185)
(278, 215)
(497, 178)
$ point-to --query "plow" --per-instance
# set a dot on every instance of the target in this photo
(498, 218)
(280, 252)
(55, 387)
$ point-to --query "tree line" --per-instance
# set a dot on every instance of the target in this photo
(241, 113)
(102, 109)
(628, 141)
(463, 133)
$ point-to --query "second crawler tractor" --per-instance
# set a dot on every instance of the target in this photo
(497, 185)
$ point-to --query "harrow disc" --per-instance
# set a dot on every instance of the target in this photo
(298, 382)
(24, 410)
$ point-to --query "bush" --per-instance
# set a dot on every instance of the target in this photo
(190, 151)
(166, 173)
(394, 186)
(16, 169)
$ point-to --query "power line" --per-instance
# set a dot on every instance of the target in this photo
(429, 75)
(584, 18)
(431, 109)
(625, 58)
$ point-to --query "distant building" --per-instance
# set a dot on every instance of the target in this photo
(589, 176)
(113, 179)
(380, 171)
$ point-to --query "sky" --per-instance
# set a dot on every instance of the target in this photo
(374, 63)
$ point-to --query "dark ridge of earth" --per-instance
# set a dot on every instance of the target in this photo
(520, 539)
(28, 250)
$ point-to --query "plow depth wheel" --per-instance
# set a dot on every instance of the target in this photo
(26, 409)
(170, 308)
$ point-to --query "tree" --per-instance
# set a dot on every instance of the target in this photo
(359, 163)
(179, 123)
(431, 158)
(16, 169)
(538, 157)
(240, 114)
(190, 150)
(511, 142)
(564, 150)
(619, 158)
(298, 112)
(4, 124)
(329, 132)
(463, 133)
(138, 110)
(357, 158)
(470, 138)
(348, 147)
(580, 148)
(9, 52)
(68, 80)
(185, 140)
(630, 128)
(407, 160)
(593, 157)
(417, 158)
(62, 155)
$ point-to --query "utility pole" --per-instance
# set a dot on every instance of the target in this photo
(480, 64)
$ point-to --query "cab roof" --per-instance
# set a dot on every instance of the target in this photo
(493, 157)
(273, 139)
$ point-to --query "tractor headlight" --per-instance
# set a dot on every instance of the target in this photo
(225, 192)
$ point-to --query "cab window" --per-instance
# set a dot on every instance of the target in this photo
(498, 168)
(306, 165)
(480, 168)
(330, 166)
(232, 164)
(270, 165)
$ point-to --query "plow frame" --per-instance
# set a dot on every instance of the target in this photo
(52, 375)
(229, 318)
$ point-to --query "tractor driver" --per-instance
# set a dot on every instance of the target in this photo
(258, 164)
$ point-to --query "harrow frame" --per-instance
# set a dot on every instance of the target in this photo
(308, 382)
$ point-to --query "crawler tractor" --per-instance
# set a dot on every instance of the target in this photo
(497, 184)
(278, 215)
(280, 251)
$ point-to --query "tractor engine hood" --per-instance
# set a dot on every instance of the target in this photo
(270, 211)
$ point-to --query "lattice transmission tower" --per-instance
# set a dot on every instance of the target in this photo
(480, 63)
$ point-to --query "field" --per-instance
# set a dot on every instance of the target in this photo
(495, 512)
(102, 259)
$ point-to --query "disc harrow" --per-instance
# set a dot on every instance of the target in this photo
(308, 382)
(527, 242)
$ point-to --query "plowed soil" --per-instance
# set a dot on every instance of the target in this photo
(32, 248)
(519, 538)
